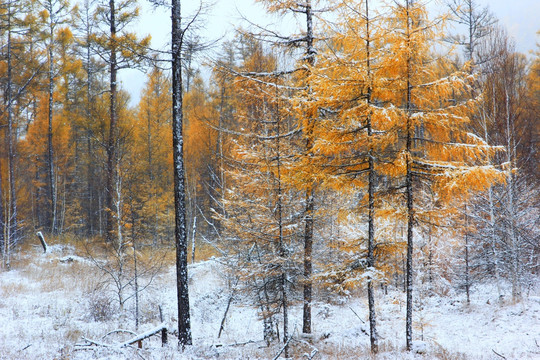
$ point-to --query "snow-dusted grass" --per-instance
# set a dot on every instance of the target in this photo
(50, 302)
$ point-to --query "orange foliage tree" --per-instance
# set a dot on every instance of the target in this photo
(260, 221)
(152, 190)
(396, 123)
(34, 150)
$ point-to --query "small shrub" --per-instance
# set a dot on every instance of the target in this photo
(100, 306)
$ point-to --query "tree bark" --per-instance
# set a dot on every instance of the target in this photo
(50, 153)
(2, 219)
(12, 224)
(111, 142)
(308, 232)
(409, 194)
(371, 199)
(184, 324)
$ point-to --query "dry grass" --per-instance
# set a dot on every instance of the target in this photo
(12, 290)
(203, 252)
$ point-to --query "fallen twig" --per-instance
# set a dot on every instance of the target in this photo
(283, 348)
(239, 344)
(117, 332)
(26, 347)
(312, 355)
(496, 353)
(363, 322)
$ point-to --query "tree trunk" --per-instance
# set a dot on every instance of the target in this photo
(308, 232)
(371, 200)
(2, 219)
(50, 153)
(282, 251)
(513, 234)
(111, 142)
(184, 325)
(467, 265)
(12, 224)
(409, 194)
(308, 267)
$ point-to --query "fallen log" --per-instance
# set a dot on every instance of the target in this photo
(161, 328)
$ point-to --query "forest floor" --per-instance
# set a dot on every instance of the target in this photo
(50, 302)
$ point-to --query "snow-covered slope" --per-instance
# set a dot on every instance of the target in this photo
(49, 305)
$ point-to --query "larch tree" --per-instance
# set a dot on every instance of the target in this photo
(477, 23)
(305, 41)
(91, 68)
(19, 75)
(34, 161)
(119, 49)
(437, 150)
(354, 134)
(54, 15)
(261, 224)
(154, 142)
(202, 174)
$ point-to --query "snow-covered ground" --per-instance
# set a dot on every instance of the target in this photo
(49, 305)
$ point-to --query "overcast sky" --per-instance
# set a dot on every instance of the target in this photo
(520, 17)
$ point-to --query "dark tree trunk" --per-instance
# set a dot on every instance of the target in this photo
(50, 153)
(409, 195)
(308, 267)
(184, 324)
(467, 264)
(308, 232)
(12, 214)
(111, 142)
(282, 251)
(371, 201)
(1, 215)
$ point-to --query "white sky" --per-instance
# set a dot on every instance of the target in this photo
(520, 17)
